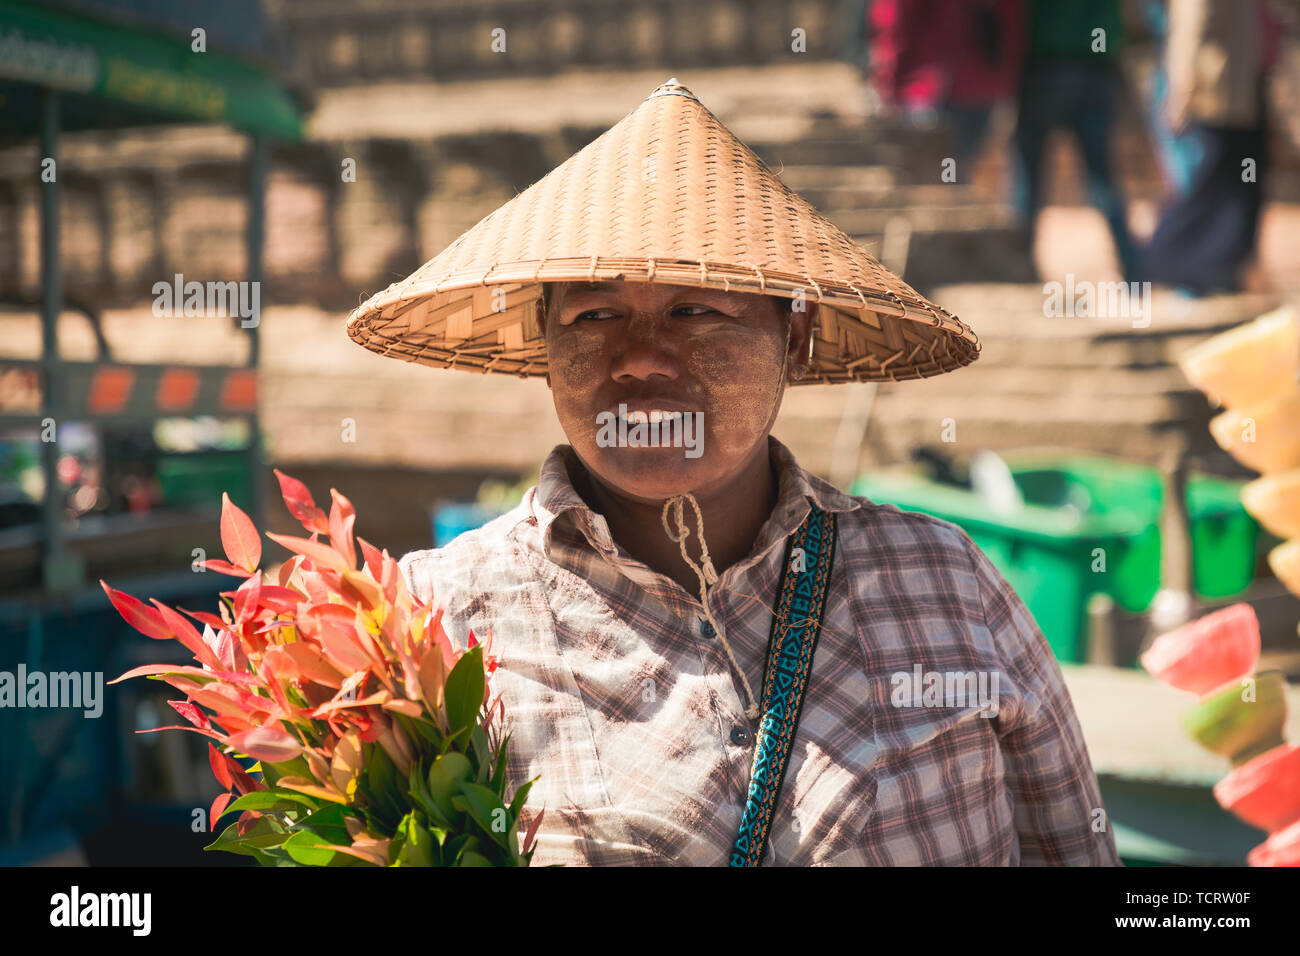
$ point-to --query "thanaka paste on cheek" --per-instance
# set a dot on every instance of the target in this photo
(573, 358)
(739, 373)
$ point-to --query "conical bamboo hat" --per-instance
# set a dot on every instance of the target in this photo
(668, 194)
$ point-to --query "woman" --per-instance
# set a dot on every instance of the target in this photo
(710, 656)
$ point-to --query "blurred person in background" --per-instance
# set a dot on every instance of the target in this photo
(1217, 56)
(949, 61)
(1071, 79)
(1178, 153)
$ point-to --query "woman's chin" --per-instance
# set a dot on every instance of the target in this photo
(651, 474)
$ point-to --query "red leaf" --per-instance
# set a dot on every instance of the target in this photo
(320, 555)
(265, 743)
(374, 560)
(217, 761)
(194, 730)
(243, 782)
(305, 662)
(281, 600)
(532, 830)
(342, 517)
(192, 713)
(247, 597)
(301, 504)
(287, 569)
(185, 632)
(203, 617)
(225, 650)
(218, 808)
(138, 614)
(224, 567)
(238, 536)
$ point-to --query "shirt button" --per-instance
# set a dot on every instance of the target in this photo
(740, 736)
(706, 629)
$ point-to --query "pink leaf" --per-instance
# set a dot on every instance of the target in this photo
(266, 744)
(238, 536)
(218, 808)
(342, 518)
(320, 555)
(224, 567)
(247, 597)
(217, 761)
(374, 560)
(301, 504)
(138, 614)
(532, 830)
(192, 713)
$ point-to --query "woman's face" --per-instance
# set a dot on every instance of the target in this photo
(709, 367)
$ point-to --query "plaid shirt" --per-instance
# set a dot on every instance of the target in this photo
(618, 695)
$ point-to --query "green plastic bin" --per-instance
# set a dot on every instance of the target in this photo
(1053, 557)
(1226, 541)
(1090, 524)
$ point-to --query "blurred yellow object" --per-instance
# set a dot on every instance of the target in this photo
(1265, 436)
(1285, 562)
(1252, 363)
(1274, 501)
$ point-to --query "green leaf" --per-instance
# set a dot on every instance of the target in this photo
(499, 771)
(276, 800)
(417, 850)
(464, 690)
(384, 786)
(482, 755)
(297, 767)
(521, 795)
(306, 848)
(261, 834)
(447, 771)
(487, 810)
(471, 858)
(429, 732)
(272, 856)
(328, 823)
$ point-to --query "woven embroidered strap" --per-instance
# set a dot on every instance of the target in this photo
(798, 622)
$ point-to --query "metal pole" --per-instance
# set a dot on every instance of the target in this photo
(258, 163)
(51, 305)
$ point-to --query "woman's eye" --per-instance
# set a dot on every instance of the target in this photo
(699, 309)
(589, 314)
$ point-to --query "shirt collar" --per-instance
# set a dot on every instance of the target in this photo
(555, 497)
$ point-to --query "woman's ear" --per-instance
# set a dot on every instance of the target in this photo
(800, 349)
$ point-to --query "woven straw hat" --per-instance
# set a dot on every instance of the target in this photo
(668, 194)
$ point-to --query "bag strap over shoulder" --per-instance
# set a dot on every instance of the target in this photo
(801, 598)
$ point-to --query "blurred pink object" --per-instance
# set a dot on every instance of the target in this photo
(1206, 653)
(1281, 849)
(1265, 791)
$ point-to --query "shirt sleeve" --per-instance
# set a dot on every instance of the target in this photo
(1058, 811)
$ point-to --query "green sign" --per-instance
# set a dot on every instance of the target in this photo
(84, 56)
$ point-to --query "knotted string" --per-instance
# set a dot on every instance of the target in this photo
(708, 576)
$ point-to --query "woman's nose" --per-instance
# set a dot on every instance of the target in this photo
(648, 349)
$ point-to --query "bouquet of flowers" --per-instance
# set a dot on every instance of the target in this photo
(376, 740)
